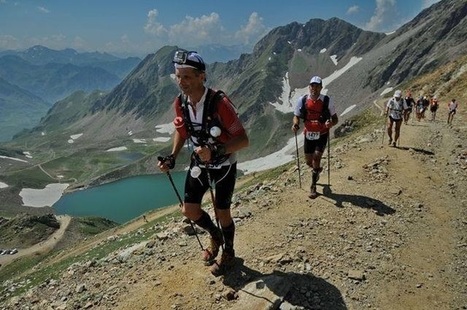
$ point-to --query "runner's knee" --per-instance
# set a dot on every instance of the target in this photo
(192, 211)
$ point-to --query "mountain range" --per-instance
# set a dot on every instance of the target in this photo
(358, 67)
(50, 75)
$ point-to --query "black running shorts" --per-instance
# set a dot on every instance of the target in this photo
(395, 120)
(224, 180)
(311, 146)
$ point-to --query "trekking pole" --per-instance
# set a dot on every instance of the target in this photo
(298, 162)
(213, 198)
(181, 203)
(329, 158)
(384, 130)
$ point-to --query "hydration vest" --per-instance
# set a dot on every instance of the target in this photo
(209, 120)
(314, 114)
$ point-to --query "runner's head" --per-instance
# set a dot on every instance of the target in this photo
(188, 59)
(397, 94)
(189, 72)
(316, 84)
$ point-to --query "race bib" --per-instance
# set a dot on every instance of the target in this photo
(312, 135)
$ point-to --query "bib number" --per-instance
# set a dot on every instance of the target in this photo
(312, 135)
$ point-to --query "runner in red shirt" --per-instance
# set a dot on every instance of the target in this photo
(207, 121)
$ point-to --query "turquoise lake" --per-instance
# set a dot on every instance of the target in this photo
(123, 200)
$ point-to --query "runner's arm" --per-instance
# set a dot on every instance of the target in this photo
(295, 123)
(237, 143)
(333, 121)
(178, 143)
(296, 117)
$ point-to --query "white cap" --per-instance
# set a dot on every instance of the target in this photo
(397, 93)
(316, 79)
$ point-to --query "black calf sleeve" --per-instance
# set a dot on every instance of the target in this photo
(206, 223)
(314, 177)
(229, 234)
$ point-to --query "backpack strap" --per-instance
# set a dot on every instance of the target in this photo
(210, 105)
(396, 106)
(210, 108)
(186, 113)
(325, 112)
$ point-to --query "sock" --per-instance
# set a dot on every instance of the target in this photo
(229, 234)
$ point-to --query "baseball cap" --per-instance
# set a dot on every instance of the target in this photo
(397, 93)
(316, 80)
(188, 59)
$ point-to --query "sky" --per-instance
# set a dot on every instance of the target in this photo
(140, 27)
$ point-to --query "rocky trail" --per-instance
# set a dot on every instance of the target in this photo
(388, 232)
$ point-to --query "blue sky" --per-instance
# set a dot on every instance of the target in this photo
(139, 27)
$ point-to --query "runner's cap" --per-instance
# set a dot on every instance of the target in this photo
(316, 80)
(397, 94)
(188, 59)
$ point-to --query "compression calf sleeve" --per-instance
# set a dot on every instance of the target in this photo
(314, 177)
(229, 234)
(206, 223)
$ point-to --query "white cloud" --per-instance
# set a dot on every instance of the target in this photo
(193, 31)
(43, 10)
(9, 42)
(253, 30)
(206, 29)
(125, 39)
(153, 26)
(353, 9)
(384, 13)
(79, 43)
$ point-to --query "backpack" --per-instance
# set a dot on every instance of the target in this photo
(210, 108)
(325, 112)
(203, 135)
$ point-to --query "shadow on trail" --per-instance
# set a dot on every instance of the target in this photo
(267, 291)
(417, 150)
(357, 200)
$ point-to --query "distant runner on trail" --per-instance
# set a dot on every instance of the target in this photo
(394, 109)
(319, 115)
(419, 109)
(452, 109)
(410, 105)
(208, 121)
(434, 107)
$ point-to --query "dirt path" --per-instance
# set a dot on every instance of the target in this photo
(43, 246)
(394, 215)
(387, 233)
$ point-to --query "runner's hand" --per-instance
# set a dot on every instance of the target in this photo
(204, 153)
(166, 163)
